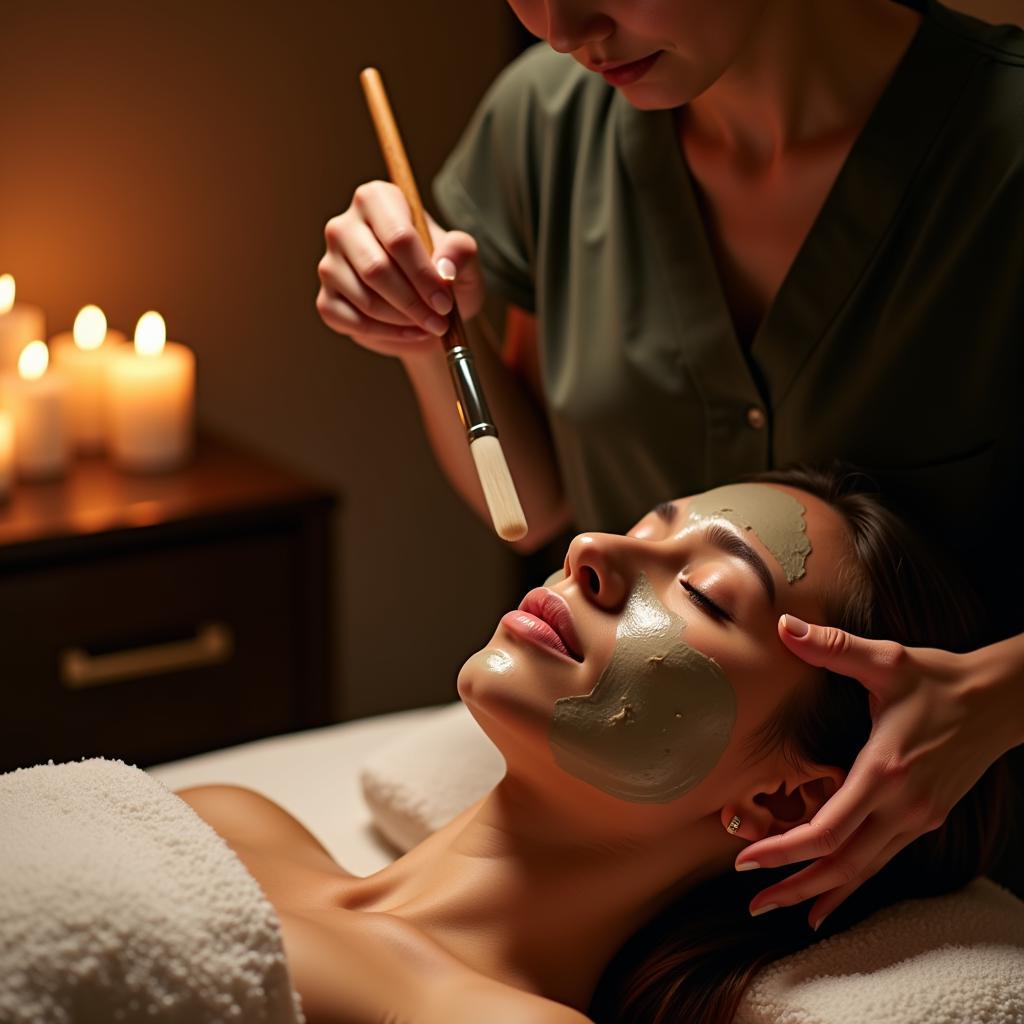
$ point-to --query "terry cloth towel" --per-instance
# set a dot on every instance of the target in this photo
(118, 903)
(418, 782)
(954, 959)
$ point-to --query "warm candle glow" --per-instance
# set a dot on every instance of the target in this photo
(34, 359)
(6, 293)
(90, 327)
(150, 334)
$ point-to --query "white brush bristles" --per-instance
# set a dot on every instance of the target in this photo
(499, 491)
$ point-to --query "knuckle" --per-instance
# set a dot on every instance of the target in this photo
(334, 230)
(836, 642)
(890, 655)
(364, 194)
(402, 238)
(892, 770)
(828, 840)
(374, 267)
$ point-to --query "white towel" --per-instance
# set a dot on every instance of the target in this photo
(418, 782)
(118, 903)
(956, 959)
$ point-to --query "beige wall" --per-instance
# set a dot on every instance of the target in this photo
(185, 157)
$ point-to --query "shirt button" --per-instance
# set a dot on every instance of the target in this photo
(756, 417)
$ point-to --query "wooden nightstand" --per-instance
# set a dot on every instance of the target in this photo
(153, 617)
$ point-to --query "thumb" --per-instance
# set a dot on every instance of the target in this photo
(456, 260)
(873, 663)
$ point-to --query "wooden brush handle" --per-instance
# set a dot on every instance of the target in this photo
(400, 172)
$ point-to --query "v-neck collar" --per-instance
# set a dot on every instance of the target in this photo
(852, 222)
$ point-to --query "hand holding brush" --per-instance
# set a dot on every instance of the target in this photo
(492, 469)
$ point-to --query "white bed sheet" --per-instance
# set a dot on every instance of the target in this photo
(314, 775)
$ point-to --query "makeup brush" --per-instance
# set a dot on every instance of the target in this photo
(491, 467)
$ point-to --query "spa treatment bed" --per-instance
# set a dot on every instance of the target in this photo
(368, 790)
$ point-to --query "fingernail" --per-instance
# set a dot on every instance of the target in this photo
(446, 268)
(442, 302)
(817, 924)
(437, 325)
(748, 865)
(764, 909)
(795, 626)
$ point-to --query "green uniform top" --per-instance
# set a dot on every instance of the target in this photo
(895, 342)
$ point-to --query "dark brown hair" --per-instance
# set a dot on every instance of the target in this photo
(693, 961)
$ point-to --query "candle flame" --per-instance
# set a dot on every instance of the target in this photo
(90, 327)
(33, 360)
(6, 293)
(150, 334)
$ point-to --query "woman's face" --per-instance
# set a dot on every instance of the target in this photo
(692, 42)
(643, 672)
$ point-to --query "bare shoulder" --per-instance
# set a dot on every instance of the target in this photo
(245, 817)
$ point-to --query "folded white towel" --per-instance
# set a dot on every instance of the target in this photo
(420, 781)
(956, 959)
(119, 903)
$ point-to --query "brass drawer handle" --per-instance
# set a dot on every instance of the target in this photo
(212, 644)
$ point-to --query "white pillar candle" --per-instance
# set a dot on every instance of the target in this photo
(19, 324)
(37, 401)
(151, 400)
(82, 354)
(6, 453)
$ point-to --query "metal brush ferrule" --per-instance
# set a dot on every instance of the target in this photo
(473, 411)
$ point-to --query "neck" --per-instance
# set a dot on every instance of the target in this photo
(808, 74)
(540, 898)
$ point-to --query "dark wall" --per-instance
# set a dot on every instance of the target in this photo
(185, 157)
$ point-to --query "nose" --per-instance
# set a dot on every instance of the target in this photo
(572, 24)
(605, 567)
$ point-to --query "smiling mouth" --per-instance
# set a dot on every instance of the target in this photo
(545, 617)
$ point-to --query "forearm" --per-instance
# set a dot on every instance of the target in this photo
(524, 439)
(1000, 668)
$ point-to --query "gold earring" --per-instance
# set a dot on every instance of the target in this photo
(734, 825)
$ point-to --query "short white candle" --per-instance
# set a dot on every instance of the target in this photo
(151, 400)
(37, 401)
(82, 354)
(19, 324)
(6, 453)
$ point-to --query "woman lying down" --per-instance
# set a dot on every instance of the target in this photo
(652, 722)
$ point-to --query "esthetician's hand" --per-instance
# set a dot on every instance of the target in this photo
(939, 720)
(381, 287)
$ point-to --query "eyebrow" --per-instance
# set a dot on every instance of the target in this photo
(731, 543)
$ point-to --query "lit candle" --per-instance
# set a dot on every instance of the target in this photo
(151, 398)
(82, 354)
(37, 401)
(6, 453)
(19, 324)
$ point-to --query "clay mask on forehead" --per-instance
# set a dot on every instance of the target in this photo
(775, 516)
(658, 719)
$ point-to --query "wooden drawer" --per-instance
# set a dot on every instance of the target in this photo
(151, 654)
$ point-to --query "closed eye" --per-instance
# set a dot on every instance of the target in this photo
(699, 598)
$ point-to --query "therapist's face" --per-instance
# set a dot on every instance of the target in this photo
(715, 591)
(695, 40)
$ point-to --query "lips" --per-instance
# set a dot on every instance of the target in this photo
(553, 609)
(626, 72)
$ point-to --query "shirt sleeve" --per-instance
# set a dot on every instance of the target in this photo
(485, 187)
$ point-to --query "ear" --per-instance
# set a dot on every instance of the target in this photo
(778, 803)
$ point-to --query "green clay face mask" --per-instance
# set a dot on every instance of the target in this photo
(775, 516)
(659, 718)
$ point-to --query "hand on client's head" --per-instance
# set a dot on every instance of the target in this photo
(939, 723)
